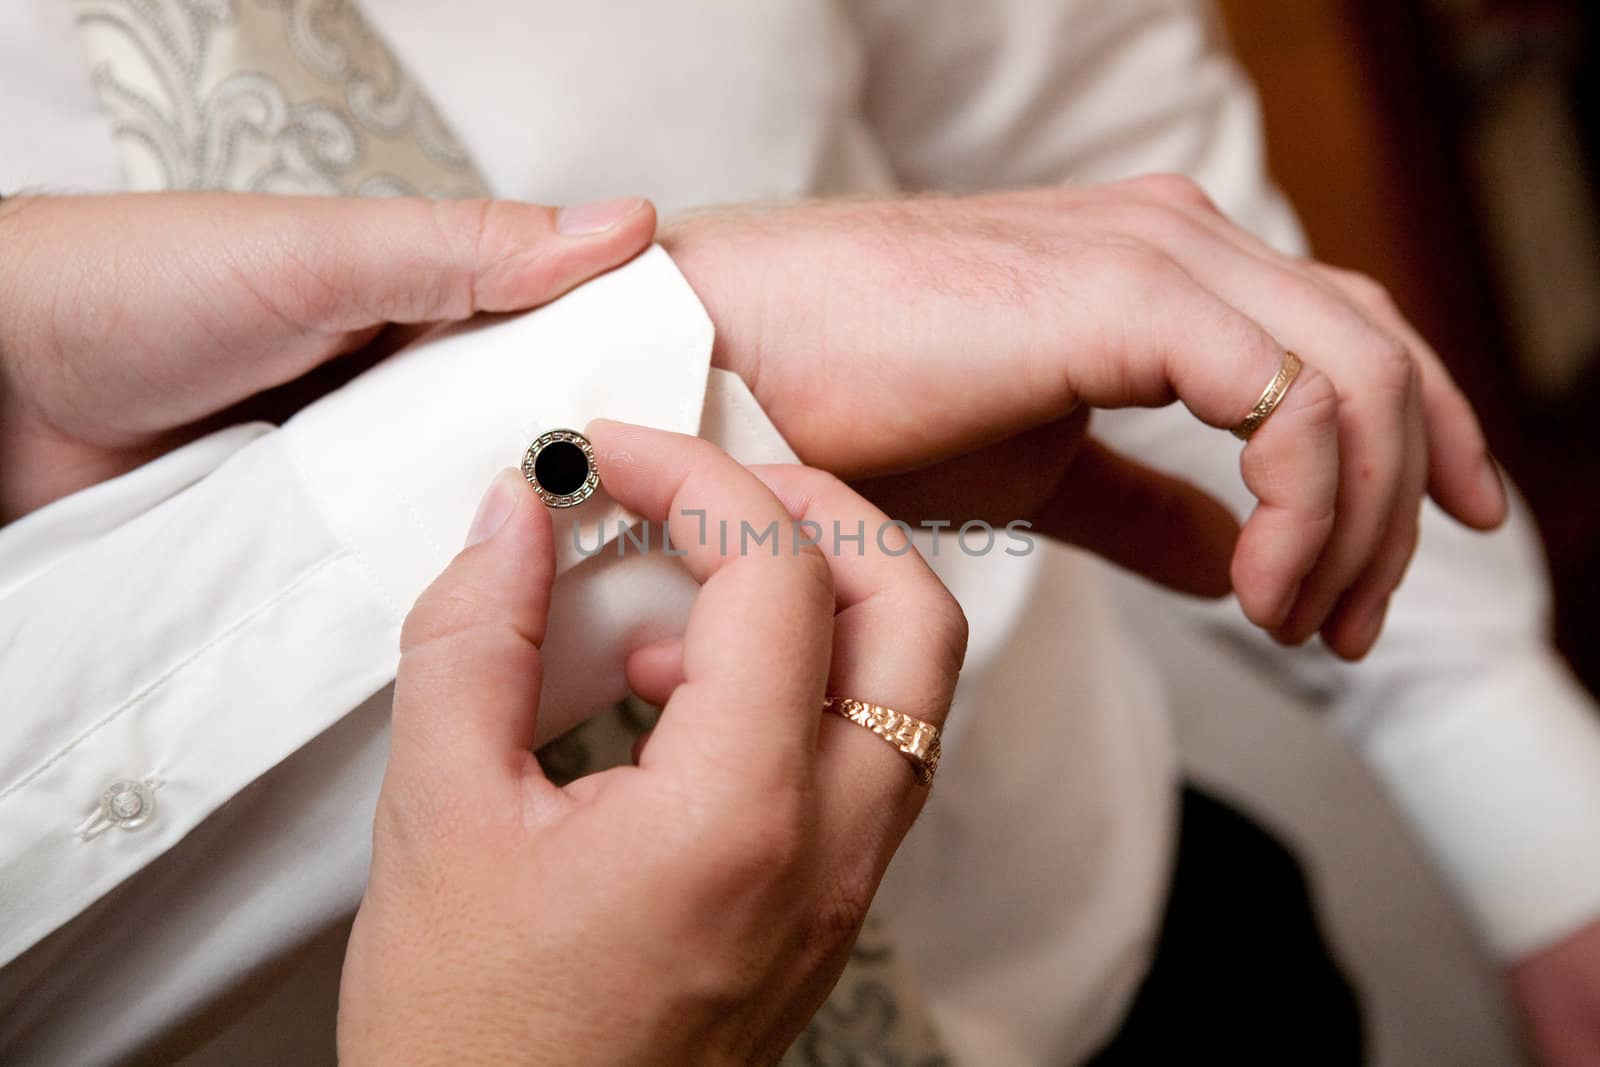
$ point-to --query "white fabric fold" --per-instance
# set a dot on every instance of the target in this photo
(270, 588)
(34, 543)
(633, 346)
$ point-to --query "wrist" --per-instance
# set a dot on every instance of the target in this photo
(701, 248)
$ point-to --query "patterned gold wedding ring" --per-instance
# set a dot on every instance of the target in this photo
(1271, 397)
(917, 740)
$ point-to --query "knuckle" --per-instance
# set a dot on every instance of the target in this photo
(760, 851)
(464, 228)
(1160, 223)
(806, 488)
(439, 614)
(816, 579)
(419, 816)
(1138, 265)
(797, 566)
(1364, 287)
(702, 471)
(1176, 188)
(837, 918)
(822, 484)
(780, 845)
(498, 255)
(1393, 368)
(954, 625)
(948, 629)
(1291, 288)
(701, 457)
(930, 621)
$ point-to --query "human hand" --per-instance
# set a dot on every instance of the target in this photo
(1558, 990)
(126, 321)
(694, 908)
(898, 335)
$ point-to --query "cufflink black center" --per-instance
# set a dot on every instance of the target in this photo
(561, 468)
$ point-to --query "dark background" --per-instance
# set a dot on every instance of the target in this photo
(1449, 148)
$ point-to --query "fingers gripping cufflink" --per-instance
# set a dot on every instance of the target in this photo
(560, 466)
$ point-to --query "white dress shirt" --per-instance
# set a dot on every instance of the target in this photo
(221, 624)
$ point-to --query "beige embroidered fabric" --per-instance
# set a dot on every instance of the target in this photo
(276, 96)
(303, 97)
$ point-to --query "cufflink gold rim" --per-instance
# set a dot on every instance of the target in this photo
(551, 466)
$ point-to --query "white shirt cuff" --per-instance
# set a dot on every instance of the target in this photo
(1503, 792)
(195, 622)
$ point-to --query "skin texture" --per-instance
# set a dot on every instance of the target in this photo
(948, 335)
(697, 907)
(1558, 989)
(132, 321)
(933, 326)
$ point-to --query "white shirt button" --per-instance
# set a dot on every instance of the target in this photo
(127, 804)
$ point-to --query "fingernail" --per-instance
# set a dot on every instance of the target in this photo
(1491, 481)
(1351, 641)
(496, 507)
(586, 220)
(1279, 615)
(600, 428)
(1373, 626)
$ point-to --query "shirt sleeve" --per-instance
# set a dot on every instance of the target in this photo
(1464, 710)
(173, 634)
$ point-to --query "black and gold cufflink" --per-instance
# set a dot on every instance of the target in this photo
(561, 468)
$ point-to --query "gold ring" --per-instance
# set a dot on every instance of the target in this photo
(560, 466)
(1271, 396)
(917, 740)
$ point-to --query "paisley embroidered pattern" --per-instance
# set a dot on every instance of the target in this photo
(278, 96)
(873, 1017)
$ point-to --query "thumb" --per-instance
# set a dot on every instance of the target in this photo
(291, 282)
(467, 692)
(408, 261)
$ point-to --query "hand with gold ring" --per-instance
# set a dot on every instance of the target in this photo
(960, 338)
(697, 907)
